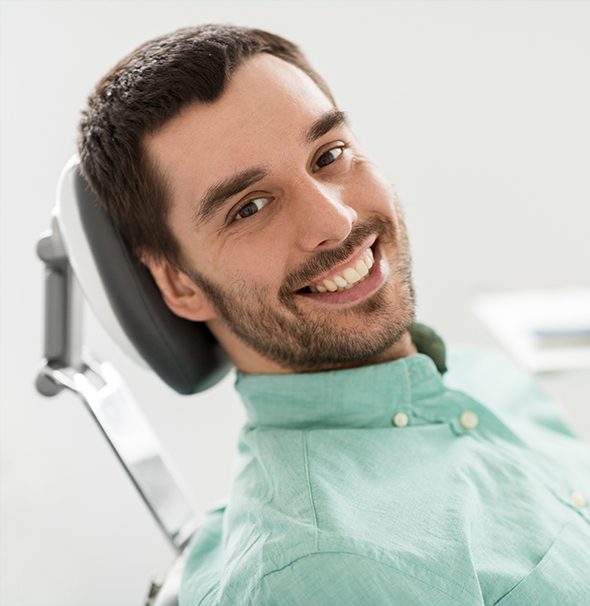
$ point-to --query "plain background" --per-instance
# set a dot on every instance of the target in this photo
(478, 112)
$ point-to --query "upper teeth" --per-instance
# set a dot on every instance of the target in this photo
(347, 277)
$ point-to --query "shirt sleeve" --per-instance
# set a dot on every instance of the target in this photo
(346, 579)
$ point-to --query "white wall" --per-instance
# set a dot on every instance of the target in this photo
(477, 110)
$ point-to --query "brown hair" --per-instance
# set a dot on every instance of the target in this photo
(144, 90)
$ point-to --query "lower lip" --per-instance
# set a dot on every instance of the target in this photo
(376, 278)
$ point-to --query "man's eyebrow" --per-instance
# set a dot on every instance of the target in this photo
(325, 124)
(217, 194)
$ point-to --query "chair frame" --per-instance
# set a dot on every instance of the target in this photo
(101, 389)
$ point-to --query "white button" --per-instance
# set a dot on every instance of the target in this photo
(578, 499)
(469, 420)
(400, 419)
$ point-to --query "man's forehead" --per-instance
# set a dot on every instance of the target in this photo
(266, 101)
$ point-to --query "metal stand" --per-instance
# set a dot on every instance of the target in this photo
(110, 403)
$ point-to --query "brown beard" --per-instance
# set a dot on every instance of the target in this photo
(299, 342)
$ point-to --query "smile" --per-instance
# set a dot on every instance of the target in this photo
(347, 277)
(353, 280)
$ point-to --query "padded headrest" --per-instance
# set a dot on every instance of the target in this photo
(183, 354)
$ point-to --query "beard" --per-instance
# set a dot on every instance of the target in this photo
(322, 339)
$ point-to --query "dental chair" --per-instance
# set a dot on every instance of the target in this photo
(85, 257)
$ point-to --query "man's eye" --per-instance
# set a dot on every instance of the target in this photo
(251, 208)
(328, 157)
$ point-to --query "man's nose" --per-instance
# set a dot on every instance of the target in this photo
(324, 219)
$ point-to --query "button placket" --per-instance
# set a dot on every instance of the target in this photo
(401, 403)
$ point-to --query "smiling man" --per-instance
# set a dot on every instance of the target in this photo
(285, 228)
(362, 478)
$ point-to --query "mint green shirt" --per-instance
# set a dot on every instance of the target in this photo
(389, 485)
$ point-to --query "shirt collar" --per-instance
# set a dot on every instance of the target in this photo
(366, 396)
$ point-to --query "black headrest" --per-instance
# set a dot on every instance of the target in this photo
(184, 354)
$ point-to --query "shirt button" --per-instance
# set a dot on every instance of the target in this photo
(578, 499)
(469, 420)
(400, 419)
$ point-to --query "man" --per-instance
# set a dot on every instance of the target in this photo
(362, 477)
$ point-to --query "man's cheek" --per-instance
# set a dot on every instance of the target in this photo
(372, 188)
(380, 197)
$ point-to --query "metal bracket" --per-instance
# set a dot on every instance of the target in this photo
(106, 397)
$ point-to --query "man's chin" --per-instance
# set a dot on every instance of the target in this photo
(369, 332)
(372, 330)
(355, 353)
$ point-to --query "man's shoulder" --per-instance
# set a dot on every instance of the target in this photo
(349, 578)
(268, 573)
(228, 559)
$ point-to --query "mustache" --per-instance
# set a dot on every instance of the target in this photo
(323, 261)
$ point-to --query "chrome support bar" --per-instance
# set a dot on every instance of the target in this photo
(106, 397)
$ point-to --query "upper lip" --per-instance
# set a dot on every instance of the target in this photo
(353, 258)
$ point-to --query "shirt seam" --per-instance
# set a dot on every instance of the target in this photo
(366, 557)
(410, 390)
(310, 490)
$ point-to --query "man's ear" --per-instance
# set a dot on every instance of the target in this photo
(182, 296)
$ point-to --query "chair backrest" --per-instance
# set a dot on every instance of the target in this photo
(125, 298)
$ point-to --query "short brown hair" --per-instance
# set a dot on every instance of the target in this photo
(143, 91)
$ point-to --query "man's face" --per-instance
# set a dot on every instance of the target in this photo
(269, 195)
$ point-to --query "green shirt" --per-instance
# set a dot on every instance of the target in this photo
(387, 485)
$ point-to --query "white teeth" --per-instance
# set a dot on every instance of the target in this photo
(349, 277)
(362, 269)
(331, 286)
